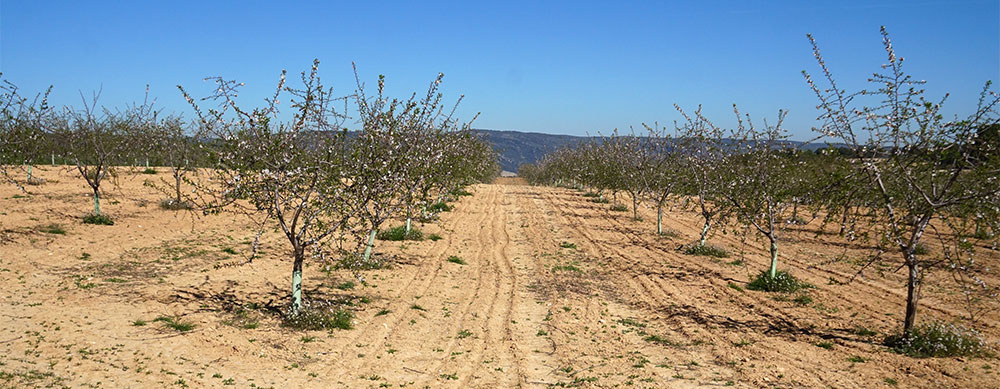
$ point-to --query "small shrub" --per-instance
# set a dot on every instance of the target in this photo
(826, 345)
(891, 381)
(456, 259)
(383, 312)
(52, 229)
(706, 250)
(315, 319)
(439, 206)
(920, 249)
(856, 359)
(229, 250)
(35, 181)
(734, 286)
(464, 334)
(619, 208)
(149, 170)
(101, 220)
(399, 233)
(600, 200)
(434, 237)
(591, 194)
(567, 245)
(782, 282)
(139, 323)
(174, 205)
(938, 339)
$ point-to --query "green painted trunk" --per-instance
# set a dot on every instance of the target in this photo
(97, 203)
(371, 243)
(704, 234)
(408, 222)
(773, 271)
(296, 291)
(659, 220)
(29, 173)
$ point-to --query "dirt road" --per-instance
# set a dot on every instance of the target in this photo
(549, 290)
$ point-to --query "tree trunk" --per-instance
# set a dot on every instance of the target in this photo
(912, 294)
(635, 207)
(409, 221)
(97, 202)
(659, 219)
(704, 232)
(53, 159)
(371, 243)
(773, 271)
(29, 174)
(297, 281)
(177, 186)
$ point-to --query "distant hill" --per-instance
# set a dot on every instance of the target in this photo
(516, 147)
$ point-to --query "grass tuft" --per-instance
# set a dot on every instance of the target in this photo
(456, 259)
(399, 233)
(439, 206)
(52, 228)
(619, 208)
(175, 323)
(706, 250)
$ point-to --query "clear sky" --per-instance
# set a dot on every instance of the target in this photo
(565, 67)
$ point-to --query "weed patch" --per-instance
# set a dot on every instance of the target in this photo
(101, 220)
(175, 323)
(399, 233)
(319, 319)
(938, 340)
(781, 282)
(706, 250)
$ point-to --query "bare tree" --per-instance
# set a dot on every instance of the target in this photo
(22, 132)
(99, 140)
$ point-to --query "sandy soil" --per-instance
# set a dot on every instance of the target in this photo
(623, 308)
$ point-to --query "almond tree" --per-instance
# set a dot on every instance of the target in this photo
(701, 148)
(766, 178)
(926, 173)
(664, 175)
(98, 141)
(289, 174)
(22, 134)
(180, 146)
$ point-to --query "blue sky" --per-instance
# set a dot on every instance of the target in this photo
(572, 67)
